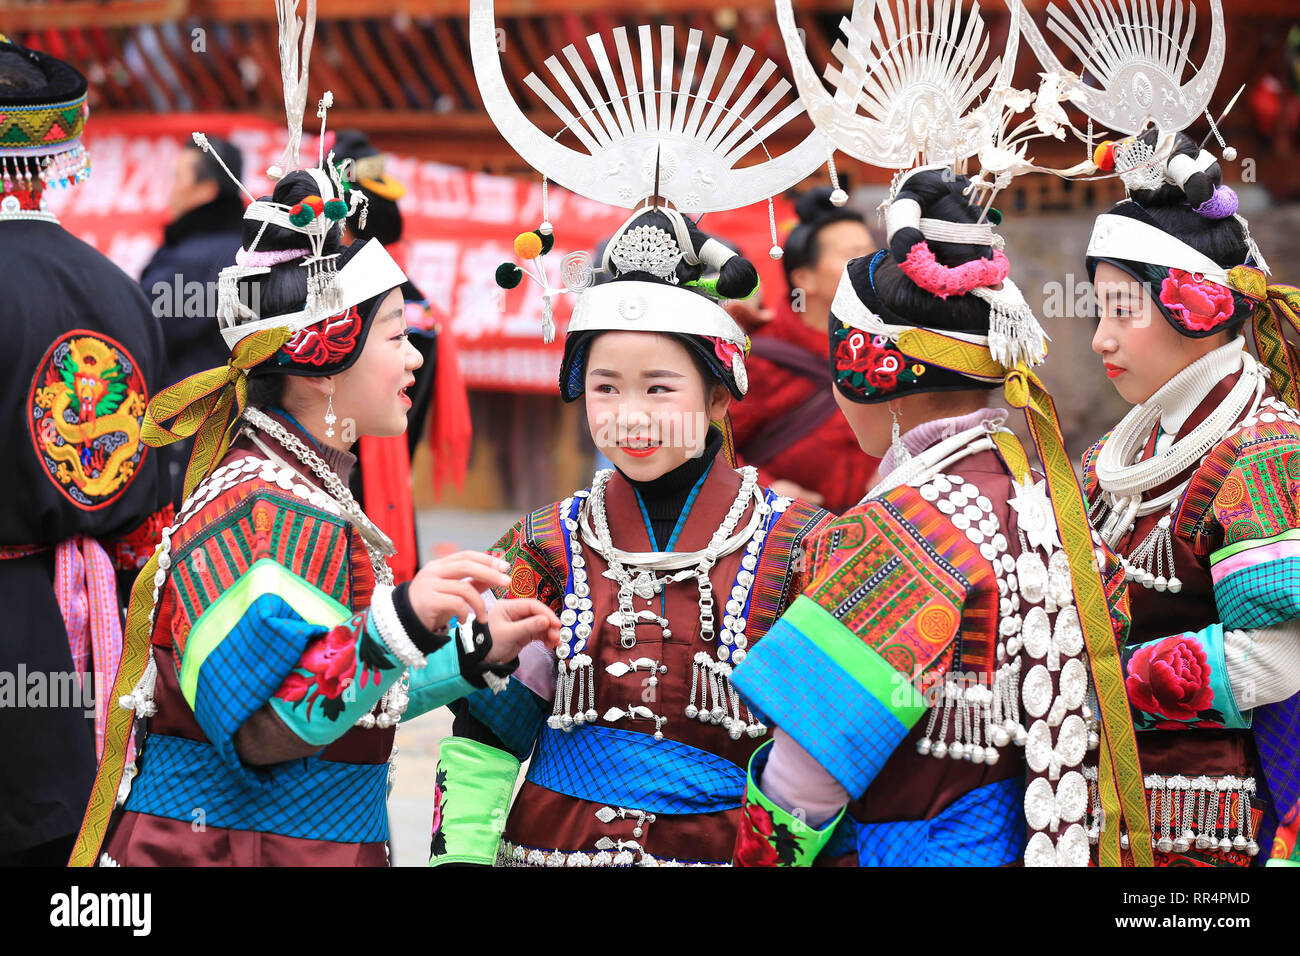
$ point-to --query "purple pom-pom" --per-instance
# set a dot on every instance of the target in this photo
(1221, 205)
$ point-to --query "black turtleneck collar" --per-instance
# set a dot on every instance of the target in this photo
(665, 496)
(223, 214)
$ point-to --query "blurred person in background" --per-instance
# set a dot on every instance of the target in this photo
(199, 242)
(83, 357)
(788, 426)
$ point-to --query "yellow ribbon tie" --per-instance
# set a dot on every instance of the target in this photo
(201, 405)
(1122, 788)
(1278, 308)
(108, 776)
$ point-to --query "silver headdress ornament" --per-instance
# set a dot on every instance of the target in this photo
(329, 289)
(1144, 86)
(294, 76)
(1137, 56)
(651, 132)
(915, 87)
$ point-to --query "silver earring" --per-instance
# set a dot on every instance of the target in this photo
(901, 454)
(331, 418)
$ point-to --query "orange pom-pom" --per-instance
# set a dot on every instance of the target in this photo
(1103, 157)
(317, 204)
(528, 245)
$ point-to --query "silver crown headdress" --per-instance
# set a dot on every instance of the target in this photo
(1137, 55)
(1145, 86)
(915, 87)
(652, 132)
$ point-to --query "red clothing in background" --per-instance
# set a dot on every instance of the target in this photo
(827, 458)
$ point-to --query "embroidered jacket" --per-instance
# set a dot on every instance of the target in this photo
(911, 616)
(1236, 551)
(607, 791)
(83, 356)
(267, 655)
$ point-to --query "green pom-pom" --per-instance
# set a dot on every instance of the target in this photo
(301, 214)
(548, 240)
(509, 275)
(995, 217)
(336, 209)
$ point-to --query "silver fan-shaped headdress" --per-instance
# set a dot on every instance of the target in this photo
(916, 87)
(1138, 58)
(1138, 79)
(911, 87)
(653, 133)
(699, 124)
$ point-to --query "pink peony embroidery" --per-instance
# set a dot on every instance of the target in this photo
(1195, 302)
(332, 661)
(1170, 679)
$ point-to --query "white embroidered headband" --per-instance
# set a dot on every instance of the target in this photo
(367, 274)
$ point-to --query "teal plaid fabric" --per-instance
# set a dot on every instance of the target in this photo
(1260, 595)
(515, 716)
(985, 827)
(245, 670)
(312, 798)
(626, 768)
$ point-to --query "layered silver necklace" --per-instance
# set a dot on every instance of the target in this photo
(1124, 477)
(644, 574)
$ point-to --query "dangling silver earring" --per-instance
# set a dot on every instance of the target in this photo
(331, 418)
(901, 454)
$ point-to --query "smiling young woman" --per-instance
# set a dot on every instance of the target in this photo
(1196, 489)
(636, 737)
(267, 645)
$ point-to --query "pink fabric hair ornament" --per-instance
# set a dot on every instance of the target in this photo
(264, 260)
(724, 350)
(1195, 302)
(927, 272)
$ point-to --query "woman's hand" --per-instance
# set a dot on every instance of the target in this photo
(791, 489)
(517, 622)
(451, 587)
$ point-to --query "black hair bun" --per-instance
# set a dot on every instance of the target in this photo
(815, 204)
(941, 194)
(1197, 190)
(737, 278)
(290, 190)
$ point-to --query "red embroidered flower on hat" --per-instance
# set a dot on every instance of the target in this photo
(1170, 679)
(885, 366)
(1195, 302)
(327, 341)
(854, 352)
(724, 350)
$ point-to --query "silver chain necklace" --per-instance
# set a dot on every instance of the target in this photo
(646, 584)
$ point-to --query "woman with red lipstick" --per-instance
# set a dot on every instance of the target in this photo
(929, 688)
(1196, 489)
(666, 573)
(266, 644)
